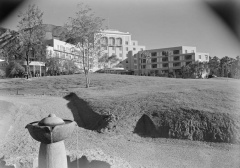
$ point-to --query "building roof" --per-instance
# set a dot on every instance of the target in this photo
(165, 48)
(114, 31)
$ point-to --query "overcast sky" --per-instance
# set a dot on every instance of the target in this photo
(153, 23)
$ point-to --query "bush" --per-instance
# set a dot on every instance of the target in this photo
(14, 69)
(2, 73)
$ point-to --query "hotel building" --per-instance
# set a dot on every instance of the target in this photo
(64, 51)
(164, 60)
(119, 43)
(113, 42)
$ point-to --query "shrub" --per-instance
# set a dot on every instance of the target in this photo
(2, 73)
(14, 69)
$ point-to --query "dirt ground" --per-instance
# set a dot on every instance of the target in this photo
(114, 148)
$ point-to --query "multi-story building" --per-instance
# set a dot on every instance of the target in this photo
(113, 42)
(119, 43)
(64, 51)
(164, 60)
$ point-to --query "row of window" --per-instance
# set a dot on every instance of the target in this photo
(165, 59)
(120, 48)
(64, 49)
(62, 55)
(170, 52)
(113, 41)
(165, 65)
(206, 57)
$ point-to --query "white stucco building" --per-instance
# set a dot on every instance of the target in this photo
(63, 51)
(119, 43)
(164, 60)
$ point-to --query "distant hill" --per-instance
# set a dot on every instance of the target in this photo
(53, 31)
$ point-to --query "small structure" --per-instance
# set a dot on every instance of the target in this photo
(51, 132)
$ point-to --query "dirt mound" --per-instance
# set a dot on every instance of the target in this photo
(189, 124)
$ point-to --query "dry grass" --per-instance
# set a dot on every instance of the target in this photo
(127, 98)
(117, 91)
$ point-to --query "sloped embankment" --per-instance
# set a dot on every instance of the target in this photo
(190, 124)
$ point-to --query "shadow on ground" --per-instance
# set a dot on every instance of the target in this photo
(84, 163)
(83, 114)
(145, 127)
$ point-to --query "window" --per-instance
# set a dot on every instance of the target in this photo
(111, 41)
(126, 61)
(154, 65)
(135, 66)
(188, 62)
(176, 58)
(188, 57)
(199, 56)
(143, 60)
(113, 48)
(126, 42)
(206, 57)
(143, 66)
(134, 49)
(126, 48)
(153, 54)
(119, 41)
(164, 59)
(135, 61)
(154, 60)
(176, 64)
(176, 52)
(120, 55)
(165, 65)
(165, 53)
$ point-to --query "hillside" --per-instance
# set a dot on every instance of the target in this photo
(130, 117)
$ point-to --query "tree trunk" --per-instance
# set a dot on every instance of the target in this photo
(87, 78)
(27, 66)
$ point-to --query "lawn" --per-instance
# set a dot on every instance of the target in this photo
(149, 106)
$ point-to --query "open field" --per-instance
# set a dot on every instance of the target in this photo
(119, 105)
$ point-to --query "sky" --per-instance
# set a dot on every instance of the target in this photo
(153, 23)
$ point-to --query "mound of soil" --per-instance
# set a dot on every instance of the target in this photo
(190, 124)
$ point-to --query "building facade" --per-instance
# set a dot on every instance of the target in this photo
(165, 60)
(120, 44)
(64, 51)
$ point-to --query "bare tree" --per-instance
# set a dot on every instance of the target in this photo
(84, 31)
(31, 34)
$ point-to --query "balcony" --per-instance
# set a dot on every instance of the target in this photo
(176, 58)
(164, 59)
(188, 57)
(177, 64)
